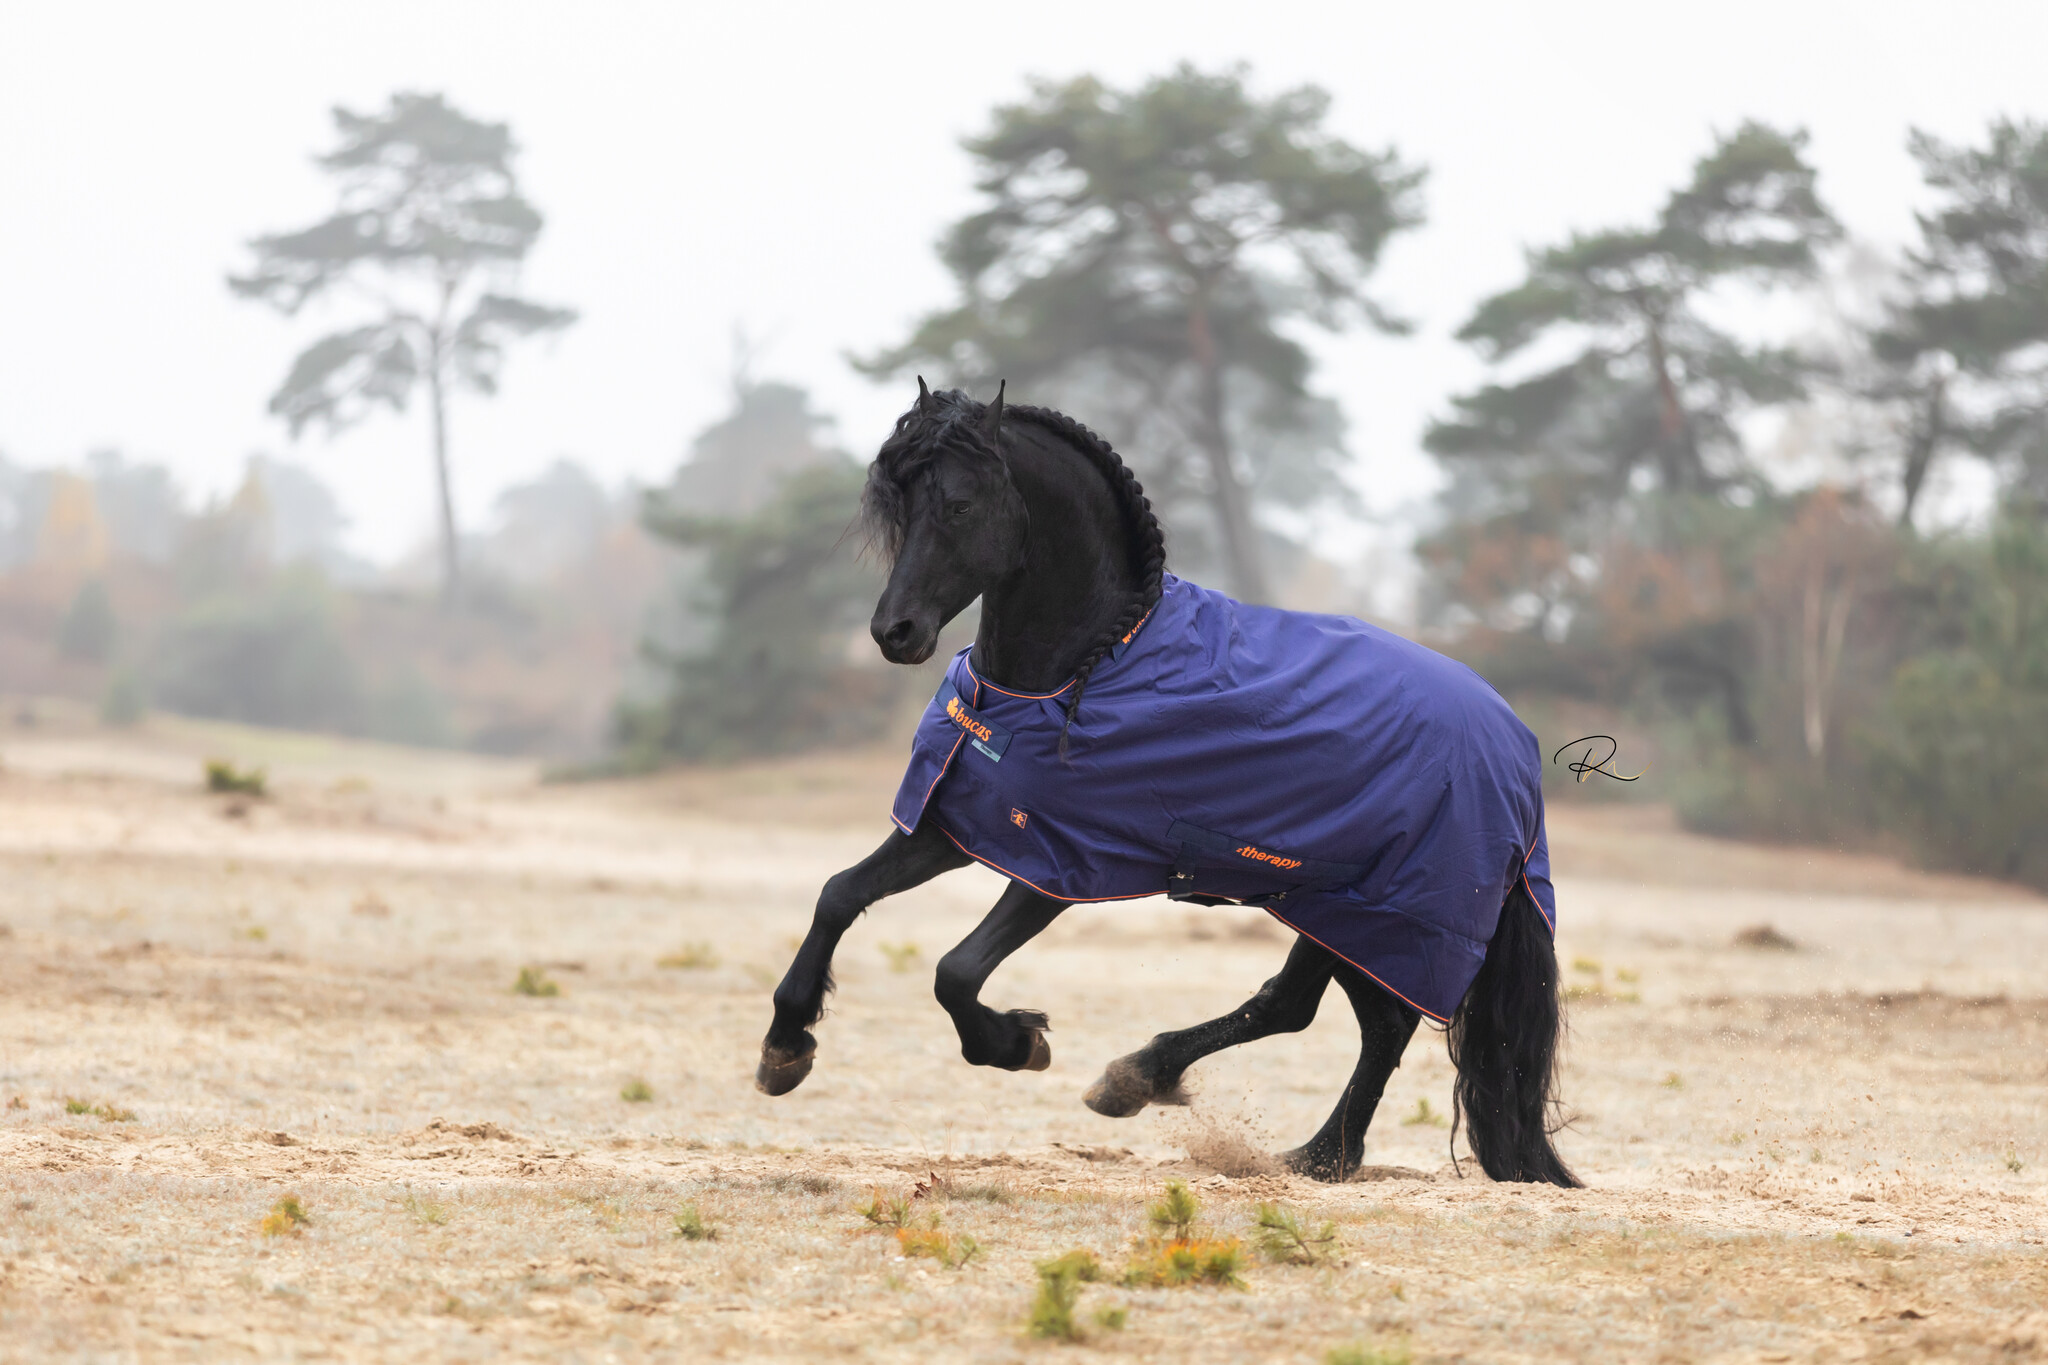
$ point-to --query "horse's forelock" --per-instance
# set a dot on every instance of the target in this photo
(947, 420)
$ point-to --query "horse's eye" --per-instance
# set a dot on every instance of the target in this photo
(959, 507)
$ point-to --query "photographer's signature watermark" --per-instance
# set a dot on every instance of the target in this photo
(1583, 766)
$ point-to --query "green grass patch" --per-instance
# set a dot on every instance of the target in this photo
(533, 981)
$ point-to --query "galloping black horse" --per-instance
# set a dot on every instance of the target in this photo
(1033, 514)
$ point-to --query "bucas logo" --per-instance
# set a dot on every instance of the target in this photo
(1260, 855)
(966, 722)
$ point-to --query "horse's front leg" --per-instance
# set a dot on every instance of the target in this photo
(903, 861)
(1015, 1039)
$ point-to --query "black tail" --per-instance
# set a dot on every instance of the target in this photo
(1504, 1043)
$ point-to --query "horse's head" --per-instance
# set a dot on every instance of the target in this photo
(941, 504)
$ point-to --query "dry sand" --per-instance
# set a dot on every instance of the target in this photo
(1836, 1150)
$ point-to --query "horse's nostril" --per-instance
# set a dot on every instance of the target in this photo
(900, 634)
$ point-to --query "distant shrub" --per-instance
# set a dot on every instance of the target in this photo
(636, 1091)
(691, 1227)
(223, 776)
(272, 659)
(87, 631)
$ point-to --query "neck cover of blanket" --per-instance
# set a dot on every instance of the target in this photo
(1363, 790)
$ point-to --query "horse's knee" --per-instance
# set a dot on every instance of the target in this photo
(957, 984)
(839, 903)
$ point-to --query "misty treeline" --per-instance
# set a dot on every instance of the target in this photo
(1768, 504)
(120, 589)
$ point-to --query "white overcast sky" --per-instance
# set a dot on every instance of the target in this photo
(788, 166)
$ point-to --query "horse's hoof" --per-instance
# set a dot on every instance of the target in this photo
(1040, 1056)
(1322, 1166)
(783, 1069)
(1120, 1091)
(1041, 1053)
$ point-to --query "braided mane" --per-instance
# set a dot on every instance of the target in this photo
(951, 419)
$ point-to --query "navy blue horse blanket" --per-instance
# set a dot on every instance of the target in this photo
(1360, 788)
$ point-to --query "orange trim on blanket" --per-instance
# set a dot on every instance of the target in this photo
(968, 664)
(1534, 899)
(958, 740)
(979, 681)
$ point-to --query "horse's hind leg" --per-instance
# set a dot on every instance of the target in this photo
(1152, 1074)
(1013, 1040)
(1385, 1025)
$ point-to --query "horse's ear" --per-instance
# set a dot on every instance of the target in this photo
(924, 396)
(992, 422)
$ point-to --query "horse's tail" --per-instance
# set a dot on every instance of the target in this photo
(1504, 1040)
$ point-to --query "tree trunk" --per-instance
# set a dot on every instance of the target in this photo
(1233, 501)
(1926, 442)
(1678, 457)
(451, 562)
(1824, 622)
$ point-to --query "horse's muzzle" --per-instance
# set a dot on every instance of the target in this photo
(904, 641)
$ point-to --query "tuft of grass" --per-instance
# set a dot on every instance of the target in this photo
(2012, 1160)
(1425, 1117)
(254, 933)
(1174, 1215)
(287, 1218)
(1589, 965)
(1112, 1318)
(885, 1210)
(112, 1113)
(902, 957)
(950, 1250)
(426, 1210)
(691, 1227)
(1080, 1265)
(1355, 1354)
(1673, 1081)
(1182, 1262)
(691, 957)
(533, 981)
(223, 776)
(1628, 976)
(636, 1091)
(1283, 1238)
(987, 1192)
(808, 1181)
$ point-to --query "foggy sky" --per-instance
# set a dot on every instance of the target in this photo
(788, 167)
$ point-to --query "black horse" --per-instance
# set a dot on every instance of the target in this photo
(1035, 515)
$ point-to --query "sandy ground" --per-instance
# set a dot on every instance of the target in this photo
(1835, 1150)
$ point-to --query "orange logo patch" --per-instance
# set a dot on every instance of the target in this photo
(1018, 817)
(966, 722)
(1259, 855)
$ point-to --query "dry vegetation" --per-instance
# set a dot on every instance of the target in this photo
(353, 1136)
